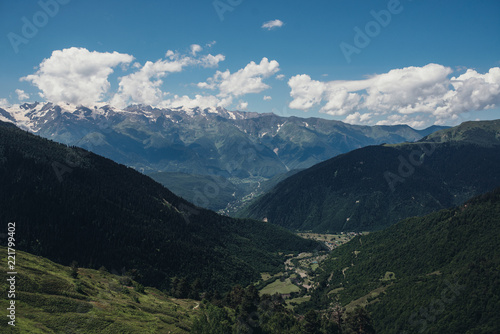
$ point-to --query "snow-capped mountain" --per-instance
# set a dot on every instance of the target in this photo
(202, 141)
(38, 116)
(213, 141)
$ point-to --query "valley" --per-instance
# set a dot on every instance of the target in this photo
(243, 274)
(250, 167)
(298, 279)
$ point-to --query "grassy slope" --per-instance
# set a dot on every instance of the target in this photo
(48, 301)
(485, 133)
(424, 254)
(280, 287)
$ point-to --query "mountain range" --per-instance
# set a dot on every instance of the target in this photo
(376, 186)
(244, 148)
(437, 273)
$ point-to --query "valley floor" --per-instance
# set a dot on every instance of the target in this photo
(298, 279)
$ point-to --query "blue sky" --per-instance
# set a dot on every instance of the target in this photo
(419, 62)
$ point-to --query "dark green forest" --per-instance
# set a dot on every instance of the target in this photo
(436, 274)
(374, 187)
(71, 205)
(243, 310)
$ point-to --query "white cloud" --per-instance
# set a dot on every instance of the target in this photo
(358, 118)
(4, 103)
(306, 93)
(201, 101)
(472, 91)
(21, 95)
(415, 121)
(242, 105)
(267, 98)
(195, 48)
(210, 60)
(76, 75)
(280, 76)
(79, 76)
(246, 81)
(411, 90)
(272, 24)
(144, 85)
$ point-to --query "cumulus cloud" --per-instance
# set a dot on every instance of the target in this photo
(242, 105)
(399, 93)
(272, 24)
(280, 76)
(415, 121)
(195, 48)
(76, 75)
(4, 103)
(472, 91)
(245, 81)
(21, 95)
(144, 85)
(210, 60)
(201, 101)
(267, 98)
(358, 118)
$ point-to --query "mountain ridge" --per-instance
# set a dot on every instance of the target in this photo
(184, 134)
(244, 148)
(375, 186)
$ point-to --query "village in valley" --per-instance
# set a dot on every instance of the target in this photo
(300, 271)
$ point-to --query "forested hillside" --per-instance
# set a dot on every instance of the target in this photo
(376, 186)
(434, 274)
(72, 205)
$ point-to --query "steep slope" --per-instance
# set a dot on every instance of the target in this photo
(50, 298)
(439, 273)
(374, 187)
(209, 191)
(216, 192)
(70, 204)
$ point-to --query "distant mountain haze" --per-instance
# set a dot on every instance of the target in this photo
(246, 148)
